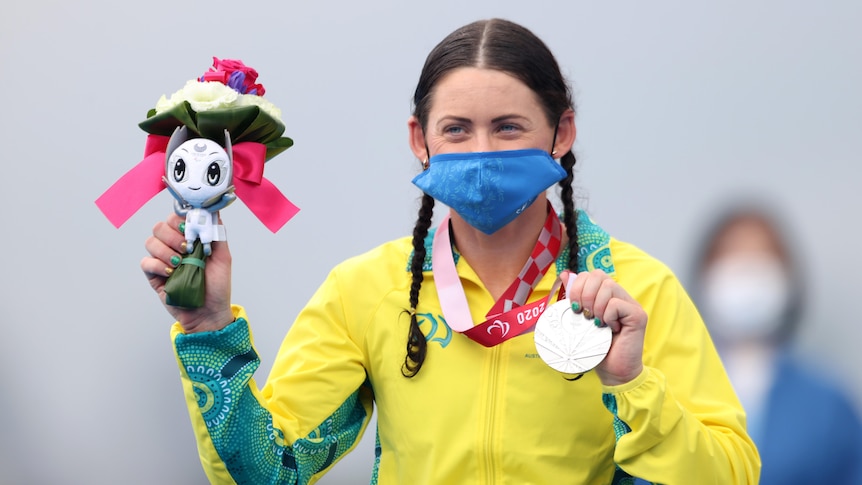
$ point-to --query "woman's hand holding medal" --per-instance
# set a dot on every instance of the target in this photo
(596, 295)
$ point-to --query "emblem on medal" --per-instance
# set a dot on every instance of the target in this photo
(569, 342)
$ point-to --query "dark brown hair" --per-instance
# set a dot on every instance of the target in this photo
(508, 47)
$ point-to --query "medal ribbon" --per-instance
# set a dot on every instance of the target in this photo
(509, 317)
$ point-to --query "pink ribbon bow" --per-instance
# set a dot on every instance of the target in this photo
(144, 181)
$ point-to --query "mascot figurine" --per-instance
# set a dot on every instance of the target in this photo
(198, 173)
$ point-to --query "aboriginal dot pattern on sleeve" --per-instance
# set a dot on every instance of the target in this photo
(220, 366)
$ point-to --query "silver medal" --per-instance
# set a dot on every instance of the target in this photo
(569, 342)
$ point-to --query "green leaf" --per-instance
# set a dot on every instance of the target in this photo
(245, 123)
(186, 286)
(166, 122)
(263, 129)
(212, 123)
(277, 146)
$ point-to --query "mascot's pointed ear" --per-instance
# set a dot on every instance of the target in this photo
(180, 135)
(227, 146)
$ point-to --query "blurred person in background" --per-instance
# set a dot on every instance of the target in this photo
(750, 289)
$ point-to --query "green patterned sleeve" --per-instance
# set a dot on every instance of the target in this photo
(237, 439)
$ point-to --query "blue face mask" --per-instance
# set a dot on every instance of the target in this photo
(489, 189)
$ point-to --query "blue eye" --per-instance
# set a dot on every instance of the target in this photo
(179, 170)
(213, 173)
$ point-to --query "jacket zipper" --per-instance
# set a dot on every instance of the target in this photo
(491, 418)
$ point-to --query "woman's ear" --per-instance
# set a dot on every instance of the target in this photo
(417, 139)
(566, 133)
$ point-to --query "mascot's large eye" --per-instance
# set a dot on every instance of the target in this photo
(179, 170)
(213, 173)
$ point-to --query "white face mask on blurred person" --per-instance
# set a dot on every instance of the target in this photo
(745, 297)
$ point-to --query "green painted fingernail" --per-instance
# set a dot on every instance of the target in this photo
(575, 307)
(183, 227)
(175, 260)
(597, 322)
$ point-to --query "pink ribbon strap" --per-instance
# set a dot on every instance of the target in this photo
(259, 194)
(138, 185)
(450, 292)
(144, 181)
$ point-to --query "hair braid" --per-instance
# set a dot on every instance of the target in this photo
(416, 344)
(569, 215)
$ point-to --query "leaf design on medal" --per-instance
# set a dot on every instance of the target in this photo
(570, 343)
(549, 326)
(503, 326)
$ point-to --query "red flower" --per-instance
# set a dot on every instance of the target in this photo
(233, 73)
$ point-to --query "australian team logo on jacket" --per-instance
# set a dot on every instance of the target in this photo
(439, 331)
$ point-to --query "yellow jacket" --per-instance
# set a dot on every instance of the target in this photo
(473, 414)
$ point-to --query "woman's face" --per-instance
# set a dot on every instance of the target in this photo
(484, 110)
(745, 284)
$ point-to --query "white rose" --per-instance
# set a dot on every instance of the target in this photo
(254, 100)
(202, 96)
(164, 104)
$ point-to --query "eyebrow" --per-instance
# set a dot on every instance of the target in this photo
(508, 117)
(449, 118)
(497, 119)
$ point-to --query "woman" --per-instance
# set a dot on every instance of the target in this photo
(491, 110)
(750, 289)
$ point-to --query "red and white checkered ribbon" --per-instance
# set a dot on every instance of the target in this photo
(509, 317)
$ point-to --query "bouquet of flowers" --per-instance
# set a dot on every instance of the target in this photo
(224, 105)
(224, 98)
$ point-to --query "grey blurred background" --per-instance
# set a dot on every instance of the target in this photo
(681, 107)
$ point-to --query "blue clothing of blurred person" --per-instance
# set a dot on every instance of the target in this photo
(748, 287)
